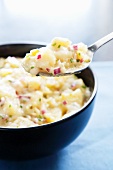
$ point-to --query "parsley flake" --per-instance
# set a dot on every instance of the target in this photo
(59, 46)
(53, 44)
(71, 60)
(32, 67)
(84, 86)
(39, 99)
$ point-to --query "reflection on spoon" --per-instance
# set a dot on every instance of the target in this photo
(60, 57)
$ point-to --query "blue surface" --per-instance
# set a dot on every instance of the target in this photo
(93, 149)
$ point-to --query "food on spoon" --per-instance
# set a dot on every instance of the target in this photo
(60, 56)
(27, 100)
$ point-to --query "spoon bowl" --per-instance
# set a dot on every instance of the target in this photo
(92, 49)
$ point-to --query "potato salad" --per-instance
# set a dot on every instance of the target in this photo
(28, 101)
(60, 56)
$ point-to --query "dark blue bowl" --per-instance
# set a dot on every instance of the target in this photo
(36, 142)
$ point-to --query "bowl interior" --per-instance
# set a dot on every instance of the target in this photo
(19, 50)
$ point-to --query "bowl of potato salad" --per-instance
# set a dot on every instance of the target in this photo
(40, 115)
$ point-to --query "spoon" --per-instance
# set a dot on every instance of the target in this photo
(92, 49)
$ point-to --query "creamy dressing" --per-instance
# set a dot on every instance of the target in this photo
(27, 100)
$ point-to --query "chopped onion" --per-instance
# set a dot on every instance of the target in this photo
(75, 47)
(48, 69)
(64, 102)
(57, 71)
(43, 111)
(81, 60)
(24, 97)
(74, 85)
(39, 56)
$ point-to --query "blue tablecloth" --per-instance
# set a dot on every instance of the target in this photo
(93, 149)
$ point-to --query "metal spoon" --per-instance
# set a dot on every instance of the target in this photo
(92, 49)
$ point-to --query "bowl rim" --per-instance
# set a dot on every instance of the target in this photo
(48, 125)
(39, 43)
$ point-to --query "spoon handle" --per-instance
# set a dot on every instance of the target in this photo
(94, 47)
